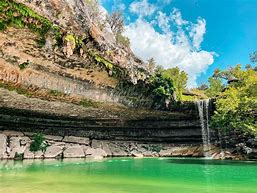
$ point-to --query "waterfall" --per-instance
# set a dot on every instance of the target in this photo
(203, 110)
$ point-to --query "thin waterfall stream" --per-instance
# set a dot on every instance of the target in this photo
(203, 110)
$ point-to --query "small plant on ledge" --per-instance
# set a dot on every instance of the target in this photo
(38, 143)
(23, 65)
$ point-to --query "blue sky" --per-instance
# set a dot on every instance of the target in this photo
(196, 35)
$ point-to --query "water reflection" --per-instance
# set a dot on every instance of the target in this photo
(211, 162)
(14, 165)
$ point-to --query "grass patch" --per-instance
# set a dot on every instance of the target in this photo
(89, 103)
(17, 89)
(56, 93)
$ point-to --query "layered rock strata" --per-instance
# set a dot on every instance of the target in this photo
(16, 145)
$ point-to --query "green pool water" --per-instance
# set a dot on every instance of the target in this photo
(128, 175)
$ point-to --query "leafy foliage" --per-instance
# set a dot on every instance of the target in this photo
(162, 87)
(23, 65)
(108, 65)
(215, 87)
(236, 107)
(179, 79)
(253, 57)
(38, 143)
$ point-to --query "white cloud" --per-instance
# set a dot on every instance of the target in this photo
(197, 32)
(180, 50)
(177, 17)
(164, 2)
(163, 21)
(118, 5)
(142, 8)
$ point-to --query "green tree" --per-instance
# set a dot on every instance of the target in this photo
(253, 57)
(162, 88)
(215, 87)
(179, 79)
(236, 107)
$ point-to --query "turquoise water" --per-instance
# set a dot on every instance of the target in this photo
(128, 175)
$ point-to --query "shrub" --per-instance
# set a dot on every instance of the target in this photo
(38, 143)
(162, 88)
(23, 65)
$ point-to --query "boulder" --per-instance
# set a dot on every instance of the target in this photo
(253, 154)
(76, 151)
(12, 133)
(78, 140)
(3, 146)
(96, 143)
(53, 151)
(53, 138)
(179, 151)
(216, 156)
(165, 152)
(57, 143)
(118, 150)
(28, 154)
(32, 155)
(149, 154)
(25, 140)
(15, 147)
(95, 153)
(38, 155)
(135, 153)
(14, 142)
(120, 153)
(103, 145)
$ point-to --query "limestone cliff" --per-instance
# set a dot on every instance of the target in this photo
(65, 53)
(66, 46)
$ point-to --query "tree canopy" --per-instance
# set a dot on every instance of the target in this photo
(179, 79)
(215, 87)
(236, 106)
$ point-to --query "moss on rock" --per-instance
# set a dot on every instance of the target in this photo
(18, 15)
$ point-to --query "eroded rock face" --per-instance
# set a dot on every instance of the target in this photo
(12, 133)
(95, 153)
(3, 146)
(74, 152)
(18, 147)
(78, 140)
(53, 138)
(28, 154)
(135, 153)
(25, 140)
(15, 147)
(80, 18)
(53, 151)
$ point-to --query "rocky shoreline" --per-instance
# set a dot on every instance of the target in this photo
(16, 145)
